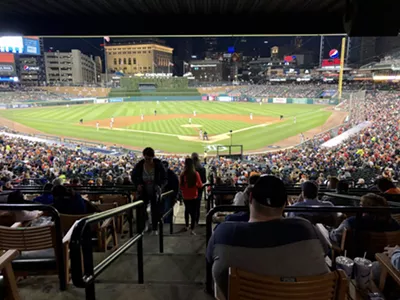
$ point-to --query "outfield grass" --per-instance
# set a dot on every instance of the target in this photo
(63, 121)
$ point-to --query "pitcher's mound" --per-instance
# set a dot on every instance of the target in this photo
(192, 125)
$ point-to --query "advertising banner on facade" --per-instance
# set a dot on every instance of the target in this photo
(278, 100)
(225, 98)
(299, 100)
(114, 100)
(101, 101)
(7, 64)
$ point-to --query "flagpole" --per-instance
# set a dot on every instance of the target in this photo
(105, 61)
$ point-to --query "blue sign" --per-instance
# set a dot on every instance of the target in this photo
(231, 49)
(113, 100)
(31, 46)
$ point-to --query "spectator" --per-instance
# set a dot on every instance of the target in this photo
(265, 245)
(150, 178)
(68, 202)
(172, 185)
(190, 182)
(46, 198)
(202, 171)
(242, 199)
(310, 198)
(332, 183)
(386, 186)
(99, 181)
(16, 197)
(369, 222)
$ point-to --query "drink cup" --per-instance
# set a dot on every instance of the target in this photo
(362, 272)
(346, 264)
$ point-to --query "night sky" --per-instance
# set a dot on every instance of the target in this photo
(247, 45)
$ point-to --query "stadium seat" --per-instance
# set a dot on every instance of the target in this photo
(247, 286)
(387, 268)
(105, 233)
(38, 251)
(8, 284)
(369, 242)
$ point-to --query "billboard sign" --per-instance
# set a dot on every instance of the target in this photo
(278, 100)
(20, 45)
(7, 64)
(334, 53)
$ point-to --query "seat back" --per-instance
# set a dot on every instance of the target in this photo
(27, 238)
(396, 217)
(369, 242)
(244, 285)
(119, 199)
(106, 206)
(67, 221)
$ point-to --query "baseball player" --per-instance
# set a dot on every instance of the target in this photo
(194, 113)
(111, 125)
(142, 117)
(190, 121)
(251, 116)
(112, 119)
(97, 125)
(201, 134)
(294, 120)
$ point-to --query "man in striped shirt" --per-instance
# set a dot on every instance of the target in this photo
(268, 244)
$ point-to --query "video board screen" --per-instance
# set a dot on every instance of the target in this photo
(20, 45)
(7, 64)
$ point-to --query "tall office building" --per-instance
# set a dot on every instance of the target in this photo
(139, 57)
(99, 68)
(70, 67)
(211, 46)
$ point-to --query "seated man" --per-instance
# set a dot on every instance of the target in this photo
(265, 245)
(310, 198)
(369, 222)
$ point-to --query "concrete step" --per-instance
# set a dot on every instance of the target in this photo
(46, 288)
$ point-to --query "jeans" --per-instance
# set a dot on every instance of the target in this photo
(166, 207)
(190, 210)
(154, 212)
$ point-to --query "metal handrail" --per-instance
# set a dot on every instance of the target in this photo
(316, 209)
(81, 246)
(161, 221)
(59, 249)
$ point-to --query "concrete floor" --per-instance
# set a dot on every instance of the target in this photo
(178, 273)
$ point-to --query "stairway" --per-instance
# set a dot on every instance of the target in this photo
(178, 273)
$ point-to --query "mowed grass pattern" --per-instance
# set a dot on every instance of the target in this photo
(63, 121)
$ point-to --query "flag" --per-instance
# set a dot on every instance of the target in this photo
(107, 39)
(154, 64)
(170, 64)
(185, 63)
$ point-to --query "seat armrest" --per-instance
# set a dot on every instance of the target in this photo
(386, 264)
(7, 257)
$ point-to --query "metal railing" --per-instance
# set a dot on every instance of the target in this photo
(358, 211)
(81, 246)
(59, 249)
(162, 218)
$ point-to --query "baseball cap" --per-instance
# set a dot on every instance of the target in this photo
(269, 191)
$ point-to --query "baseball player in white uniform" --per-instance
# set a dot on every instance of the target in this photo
(112, 119)
(201, 134)
(190, 121)
(251, 116)
(294, 120)
(142, 117)
(194, 113)
(97, 126)
(111, 125)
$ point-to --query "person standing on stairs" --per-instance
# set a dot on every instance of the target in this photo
(190, 182)
(202, 172)
(150, 177)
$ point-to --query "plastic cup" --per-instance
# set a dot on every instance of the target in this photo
(362, 272)
(346, 264)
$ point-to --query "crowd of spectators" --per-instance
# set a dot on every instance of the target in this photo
(375, 151)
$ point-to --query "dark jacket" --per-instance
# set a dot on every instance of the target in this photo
(72, 204)
(202, 172)
(160, 174)
(173, 183)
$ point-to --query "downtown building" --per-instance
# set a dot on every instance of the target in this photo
(71, 68)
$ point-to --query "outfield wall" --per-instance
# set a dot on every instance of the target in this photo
(227, 98)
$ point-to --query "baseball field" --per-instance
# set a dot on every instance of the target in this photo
(176, 125)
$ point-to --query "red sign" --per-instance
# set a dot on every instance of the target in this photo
(330, 62)
(288, 58)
